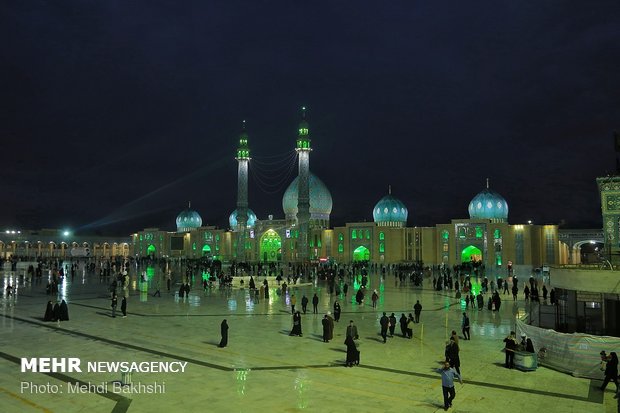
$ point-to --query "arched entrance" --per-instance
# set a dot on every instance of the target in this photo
(271, 246)
(150, 250)
(471, 253)
(588, 252)
(206, 250)
(361, 253)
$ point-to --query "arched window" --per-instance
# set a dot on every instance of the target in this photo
(381, 236)
(354, 234)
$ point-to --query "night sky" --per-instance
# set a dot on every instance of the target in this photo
(115, 114)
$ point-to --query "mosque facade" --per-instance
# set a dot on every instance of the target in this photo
(304, 233)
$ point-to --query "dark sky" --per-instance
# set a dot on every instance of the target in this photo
(114, 114)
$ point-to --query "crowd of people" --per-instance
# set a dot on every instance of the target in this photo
(338, 280)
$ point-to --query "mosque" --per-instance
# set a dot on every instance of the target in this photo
(304, 233)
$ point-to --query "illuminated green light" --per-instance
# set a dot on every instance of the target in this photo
(361, 253)
(478, 232)
(471, 252)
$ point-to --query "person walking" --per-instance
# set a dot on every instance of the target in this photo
(124, 306)
(392, 324)
(410, 323)
(448, 374)
(452, 355)
(113, 304)
(325, 323)
(374, 298)
(417, 309)
(293, 303)
(296, 331)
(315, 304)
(304, 303)
(403, 325)
(465, 327)
(611, 371)
(330, 320)
(224, 333)
(337, 311)
(385, 323)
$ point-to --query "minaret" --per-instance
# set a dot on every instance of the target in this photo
(243, 159)
(303, 198)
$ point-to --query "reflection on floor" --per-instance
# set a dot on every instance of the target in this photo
(263, 369)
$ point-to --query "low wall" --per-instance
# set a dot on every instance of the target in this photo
(596, 281)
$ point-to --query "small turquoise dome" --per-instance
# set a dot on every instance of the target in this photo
(320, 199)
(188, 220)
(232, 219)
(390, 211)
(488, 205)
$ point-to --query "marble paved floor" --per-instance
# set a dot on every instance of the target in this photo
(263, 369)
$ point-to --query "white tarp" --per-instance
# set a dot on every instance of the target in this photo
(577, 353)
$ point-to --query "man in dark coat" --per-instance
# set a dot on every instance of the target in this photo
(465, 327)
(403, 325)
(304, 303)
(224, 332)
(392, 324)
(325, 323)
(417, 309)
(385, 323)
(452, 355)
(315, 304)
(124, 306)
(330, 319)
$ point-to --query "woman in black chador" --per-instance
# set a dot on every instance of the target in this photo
(337, 311)
(296, 331)
(224, 331)
(353, 355)
(49, 312)
(64, 311)
(56, 312)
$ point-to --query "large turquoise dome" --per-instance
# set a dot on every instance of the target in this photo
(232, 219)
(488, 205)
(320, 199)
(390, 211)
(188, 220)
